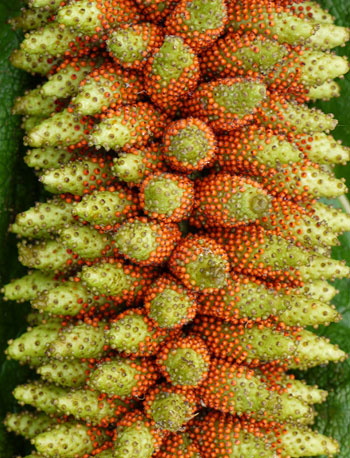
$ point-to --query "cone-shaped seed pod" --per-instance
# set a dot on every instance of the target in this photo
(28, 424)
(86, 241)
(137, 436)
(28, 287)
(78, 341)
(133, 165)
(184, 361)
(200, 264)
(325, 149)
(68, 440)
(178, 446)
(277, 21)
(97, 16)
(123, 377)
(47, 255)
(319, 290)
(169, 304)
(131, 46)
(70, 374)
(40, 395)
(155, 10)
(31, 346)
(77, 177)
(324, 91)
(32, 63)
(46, 158)
(244, 297)
(198, 22)
(51, 5)
(125, 283)
(309, 9)
(106, 208)
(188, 145)
(171, 73)
(29, 122)
(91, 407)
(33, 103)
(263, 342)
(146, 242)
(43, 220)
(170, 407)
(131, 125)
(30, 19)
(167, 197)
(67, 78)
(135, 334)
(235, 389)
(105, 86)
(336, 219)
(61, 129)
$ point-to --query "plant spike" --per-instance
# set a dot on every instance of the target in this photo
(325, 91)
(29, 122)
(28, 424)
(51, 5)
(33, 103)
(68, 374)
(85, 241)
(32, 63)
(336, 219)
(30, 19)
(318, 290)
(28, 287)
(310, 10)
(46, 158)
(40, 395)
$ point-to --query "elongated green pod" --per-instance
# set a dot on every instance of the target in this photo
(28, 287)
(43, 220)
(305, 442)
(29, 122)
(30, 19)
(46, 255)
(78, 341)
(336, 219)
(86, 241)
(40, 395)
(28, 424)
(46, 158)
(31, 346)
(67, 440)
(318, 290)
(32, 63)
(49, 4)
(76, 177)
(324, 148)
(325, 91)
(70, 374)
(312, 10)
(123, 377)
(33, 103)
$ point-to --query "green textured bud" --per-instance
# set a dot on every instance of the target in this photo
(303, 391)
(313, 11)
(30, 19)
(33, 103)
(326, 149)
(29, 122)
(28, 287)
(52, 5)
(305, 442)
(320, 67)
(46, 158)
(85, 241)
(28, 424)
(32, 63)
(78, 341)
(47, 255)
(39, 395)
(325, 91)
(65, 373)
(43, 220)
(318, 290)
(337, 220)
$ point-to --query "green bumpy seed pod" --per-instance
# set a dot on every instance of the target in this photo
(30, 347)
(200, 264)
(68, 374)
(91, 17)
(61, 129)
(178, 446)
(32, 63)
(123, 377)
(189, 145)
(275, 20)
(43, 220)
(46, 255)
(125, 283)
(310, 10)
(134, 334)
(132, 45)
(170, 407)
(30, 19)
(167, 197)
(33, 103)
(134, 165)
(39, 395)
(325, 91)
(28, 287)
(136, 435)
(68, 298)
(169, 304)
(126, 126)
(68, 440)
(85, 241)
(51, 5)
(105, 86)
(337, 220)
(318, 290)
(28, 424)
(90, 407)
(77, 177)
(29, 122)
(325, 149)
(184, 362)
(66, 80)
(106, 208)
(146, 242)
(171, 74)
(245, 297)
(46, 158)
(198, 22)
(236, 389)
(78, 341)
